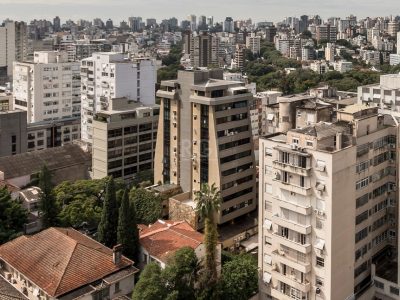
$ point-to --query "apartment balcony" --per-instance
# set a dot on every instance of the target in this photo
(304, 229)
(304, 286)
(303, 248)
(292, 169)
(304, 210)
(277, 294)
(167, 94)
(302, 266)
(305, 191)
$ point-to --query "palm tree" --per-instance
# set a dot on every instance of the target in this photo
(208, 201)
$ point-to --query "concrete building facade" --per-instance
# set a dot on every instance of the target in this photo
(204, 136)
(124, 138)
(109, 75)
(328, 205)
(47, 88)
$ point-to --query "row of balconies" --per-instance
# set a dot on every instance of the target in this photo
(292, 168)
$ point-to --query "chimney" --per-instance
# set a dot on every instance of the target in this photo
(339, 140)
(117, 254)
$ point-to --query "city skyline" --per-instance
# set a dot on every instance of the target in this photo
(257, 10)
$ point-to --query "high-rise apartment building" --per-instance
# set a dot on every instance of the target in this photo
(326, 32)
(47, 88)
(124, 139)
(204, 137)
(393, 27)
(106, 76)
(253, 43)
(328, 205)
(203, 50)
(13, 44)
(193, 23)
(56, 24)
(228, 25)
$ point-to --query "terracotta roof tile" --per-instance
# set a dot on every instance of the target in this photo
(59, 260)
(163, 238)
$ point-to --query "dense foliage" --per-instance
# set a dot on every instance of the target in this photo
(47, 203)
(127, 231)
(239, 280)
(107, 229)
(148, 205)
(171, 64)
(12, 217)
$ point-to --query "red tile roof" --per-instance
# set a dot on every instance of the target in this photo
(163, 238)
(60, 260)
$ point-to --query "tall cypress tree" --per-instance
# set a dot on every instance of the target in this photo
(47, 202)
(128, 233)
(107, 230)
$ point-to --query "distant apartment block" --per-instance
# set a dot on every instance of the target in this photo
(48, 88)
(253, 43)
(13, 44)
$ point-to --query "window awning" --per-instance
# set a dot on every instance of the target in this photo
(267, 224)
(270, 117)
(267, 259)
(267, 277)
(319, 244)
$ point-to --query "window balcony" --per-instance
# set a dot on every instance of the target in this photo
(276, 293)
(303, 229)
(301, 209)
(167, 94)
(292, 168)
(282, 257)
(305, 191)
(303, 248)
(293, 281)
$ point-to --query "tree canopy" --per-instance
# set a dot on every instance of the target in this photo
(12, 217)
(148, 205)
(47, 203)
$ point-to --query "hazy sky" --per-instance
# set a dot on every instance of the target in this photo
(271, 10)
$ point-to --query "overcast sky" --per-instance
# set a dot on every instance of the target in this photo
(258, 10)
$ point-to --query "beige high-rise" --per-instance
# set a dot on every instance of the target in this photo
(204, 136)
(328, 206)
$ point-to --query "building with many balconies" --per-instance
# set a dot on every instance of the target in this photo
(327, 205)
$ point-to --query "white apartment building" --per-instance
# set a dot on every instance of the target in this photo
(343, 66)
(253, 43)
(385, 95)
(47, 88)
(109, 75)
(327, 206)
(319, 67)
(13, 44)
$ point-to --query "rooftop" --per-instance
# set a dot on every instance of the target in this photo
(163, 238)
(323, 129)
(60, 260)
(8, 292)
(31, 162)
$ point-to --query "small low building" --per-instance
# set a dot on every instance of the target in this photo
(68, 162)
(159, 241)
(62, 263)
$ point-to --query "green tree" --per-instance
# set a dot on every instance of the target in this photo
(128, 233)
(150, 285)
(148, 205)
(181, 273)
(81, 201)
(208, 201)
(239, 280)
(107, 230)
(12, 217)
(47, 204)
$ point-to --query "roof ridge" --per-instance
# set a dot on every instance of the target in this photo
(186, 235)
(66, 267)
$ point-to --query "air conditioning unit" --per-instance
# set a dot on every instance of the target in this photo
(316, 211)
(293, 146)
